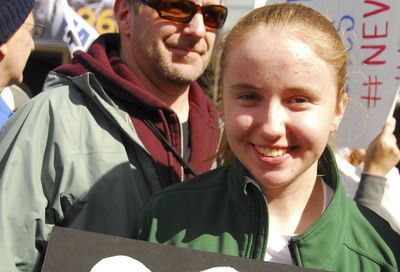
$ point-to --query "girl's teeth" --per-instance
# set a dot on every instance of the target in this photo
(270, 152)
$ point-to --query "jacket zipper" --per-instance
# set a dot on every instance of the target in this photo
(260, 224)
(182, 154)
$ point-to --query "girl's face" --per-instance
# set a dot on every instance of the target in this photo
(279, 100)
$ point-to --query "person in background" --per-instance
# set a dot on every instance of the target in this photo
(370, 175)
(377, 162)
(380, 191)
(119, 123)
(279, 197)
(17, 32)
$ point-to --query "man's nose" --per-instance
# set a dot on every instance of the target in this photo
(196, 26)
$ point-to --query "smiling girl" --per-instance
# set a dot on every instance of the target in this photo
(279, 196)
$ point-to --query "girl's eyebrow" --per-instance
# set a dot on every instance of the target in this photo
(306, 91)
(244, 85)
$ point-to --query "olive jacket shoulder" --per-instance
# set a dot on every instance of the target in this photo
(224, 211)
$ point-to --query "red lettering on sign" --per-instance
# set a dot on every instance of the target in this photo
(379, 49)
(375, 34)
(381, 8)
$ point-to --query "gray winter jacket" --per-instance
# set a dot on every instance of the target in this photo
(74, 132)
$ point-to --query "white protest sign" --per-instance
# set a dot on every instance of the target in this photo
(57, 14)
(259, 3)
(371, 32)
(122, 263)
(221, 269)
(119, 263)
(78, 33)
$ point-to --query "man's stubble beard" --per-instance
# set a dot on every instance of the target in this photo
(165, 68)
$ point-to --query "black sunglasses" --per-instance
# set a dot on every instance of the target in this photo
(183, 11)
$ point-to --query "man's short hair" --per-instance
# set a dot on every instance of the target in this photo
(135, 4)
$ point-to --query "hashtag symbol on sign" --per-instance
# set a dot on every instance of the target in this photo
(372, 92)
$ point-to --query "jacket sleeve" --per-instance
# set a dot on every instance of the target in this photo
(370, 193)
(24, 231)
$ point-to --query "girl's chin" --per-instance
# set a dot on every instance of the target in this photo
(279, 180)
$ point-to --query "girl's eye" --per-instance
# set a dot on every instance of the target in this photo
(298, 100)
(248, 97)
(299, 103)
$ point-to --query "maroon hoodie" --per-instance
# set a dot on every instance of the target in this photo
(103, 60)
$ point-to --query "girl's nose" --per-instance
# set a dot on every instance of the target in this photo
(273, 121)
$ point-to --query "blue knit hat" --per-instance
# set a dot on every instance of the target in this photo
(12, 14)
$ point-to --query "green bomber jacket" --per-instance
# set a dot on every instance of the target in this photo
(225, 211)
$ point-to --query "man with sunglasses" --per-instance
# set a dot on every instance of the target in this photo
(16, 44)
(119, 123)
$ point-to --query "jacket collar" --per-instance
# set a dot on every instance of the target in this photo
(117, 85)
(330, 229)
(327, 231)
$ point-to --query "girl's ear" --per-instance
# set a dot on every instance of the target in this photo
(340, 110)
(123, 12)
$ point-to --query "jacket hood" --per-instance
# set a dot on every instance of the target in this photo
(103, 60)
(126, 91)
